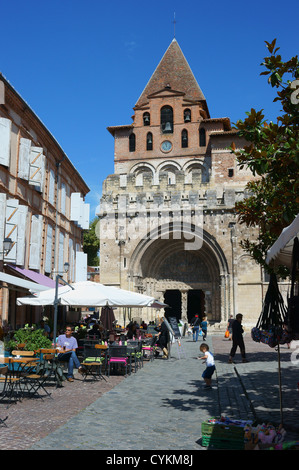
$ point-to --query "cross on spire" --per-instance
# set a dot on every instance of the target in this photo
(174, 23)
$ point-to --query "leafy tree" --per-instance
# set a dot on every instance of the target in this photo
(272, 154)
(91, 243)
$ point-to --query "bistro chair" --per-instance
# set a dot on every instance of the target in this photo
(118, 355)
(10, 383)
(135, 352)
(36, 381)
(148, 349)
(92, 362)
(103, 353)
(49, 362)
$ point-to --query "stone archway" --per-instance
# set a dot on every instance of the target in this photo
(163, 264)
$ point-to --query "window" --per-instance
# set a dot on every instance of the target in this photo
(202, 137)
(149, 141)
(146, 119)
(184, 138)
(132, 142)
(230, 172)
(187, 115)
(167, 119)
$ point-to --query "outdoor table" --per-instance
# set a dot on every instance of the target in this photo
(50, 363)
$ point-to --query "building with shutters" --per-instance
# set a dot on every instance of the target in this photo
(168, 226)
(42, 208)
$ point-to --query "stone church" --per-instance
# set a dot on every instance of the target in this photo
(168, 226)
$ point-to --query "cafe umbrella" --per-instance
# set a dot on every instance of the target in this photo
(88, 294)
(107, 318)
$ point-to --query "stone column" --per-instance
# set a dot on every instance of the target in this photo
(184, 299)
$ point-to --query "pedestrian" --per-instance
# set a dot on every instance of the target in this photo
(237, 338)
(67, 344)
(204, 328)
(210, 365)
(162, 338)
(229, 326)
(195, 323)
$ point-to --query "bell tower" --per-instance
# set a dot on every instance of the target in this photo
(174, 181)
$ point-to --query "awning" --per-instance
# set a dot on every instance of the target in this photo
(33, 276)
(281, 251)
(19, 282)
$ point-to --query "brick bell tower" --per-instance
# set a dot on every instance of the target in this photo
(167, 219)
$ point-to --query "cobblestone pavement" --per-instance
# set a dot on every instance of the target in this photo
(162, 406)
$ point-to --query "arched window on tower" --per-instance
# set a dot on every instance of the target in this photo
(184, 138)
(202, 137)
(187, 115)
(167, 119)
(132, 142)
(149, 141)
(146, 119)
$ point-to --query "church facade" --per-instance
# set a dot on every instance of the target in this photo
(168, 226)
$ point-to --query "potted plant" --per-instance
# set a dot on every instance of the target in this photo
(32, 338)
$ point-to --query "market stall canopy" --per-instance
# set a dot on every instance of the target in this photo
(281, 251)
(91, 294)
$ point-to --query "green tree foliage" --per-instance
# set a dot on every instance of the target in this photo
(91, 243)
(272, 154)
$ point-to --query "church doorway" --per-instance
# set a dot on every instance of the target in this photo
(195, 303)
(173, 298)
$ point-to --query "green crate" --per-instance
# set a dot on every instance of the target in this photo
(222, 430)
(217, 443)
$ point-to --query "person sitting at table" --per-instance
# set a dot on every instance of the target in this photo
(131, 330)
(95, 331)
(67, 345)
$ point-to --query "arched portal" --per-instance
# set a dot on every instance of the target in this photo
(163, 264)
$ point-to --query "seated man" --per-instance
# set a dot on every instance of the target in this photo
(67, 344)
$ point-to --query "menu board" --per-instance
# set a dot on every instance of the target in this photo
(175, 327)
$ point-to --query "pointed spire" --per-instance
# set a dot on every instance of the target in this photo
(173, 70)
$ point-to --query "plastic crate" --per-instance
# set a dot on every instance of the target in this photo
(218, 443)
(225, 431)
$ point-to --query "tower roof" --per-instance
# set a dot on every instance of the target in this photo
(175, 73)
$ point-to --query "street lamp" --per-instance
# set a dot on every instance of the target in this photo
(7, 245)
(56, 300)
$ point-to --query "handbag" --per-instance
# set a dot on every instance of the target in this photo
(226, 334)
(256, 334)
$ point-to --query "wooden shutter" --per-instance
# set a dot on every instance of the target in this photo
(5, 129)
(24, 159)
(71, 260)
(61, 253)
(11, 228)
(2, 221)
(75, 206)
(21, 237)
(51, 186)
(62, 198)
(84, 220)
(37, 168)
(35, 241)
(81, 266)
(48, 262)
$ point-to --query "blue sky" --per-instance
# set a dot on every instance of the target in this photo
(81, 66)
